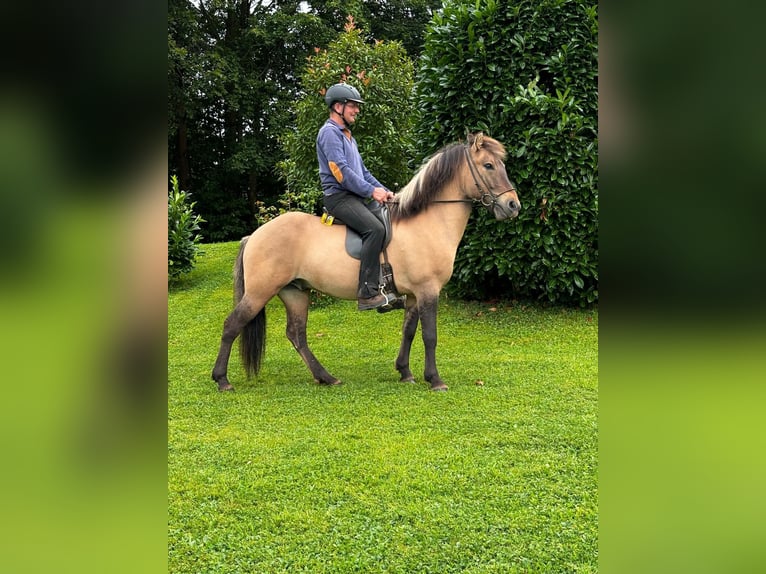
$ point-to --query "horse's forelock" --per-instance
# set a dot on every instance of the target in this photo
(479, 141)
(495, 148)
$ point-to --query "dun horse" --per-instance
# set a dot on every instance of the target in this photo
(295, 252)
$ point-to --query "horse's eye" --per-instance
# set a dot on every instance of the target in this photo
(488, 166)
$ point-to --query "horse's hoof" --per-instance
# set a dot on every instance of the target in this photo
(225, 387)
(440, 387)
(409, 379)
(329, 383)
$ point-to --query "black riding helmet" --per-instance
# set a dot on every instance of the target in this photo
(342, 93)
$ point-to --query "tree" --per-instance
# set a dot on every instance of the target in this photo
(388, 20)
(185, 51)
(383, 74)
(403, 20)
(233, 77)
(526, 73)
(231, 85)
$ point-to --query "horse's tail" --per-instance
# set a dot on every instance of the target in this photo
(252, 340)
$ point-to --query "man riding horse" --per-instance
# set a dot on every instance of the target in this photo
(349, 188)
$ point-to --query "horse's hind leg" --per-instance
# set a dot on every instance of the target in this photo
(409, 328)
(242, 314)
(297, 305)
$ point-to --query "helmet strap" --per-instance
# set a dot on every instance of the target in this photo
(342, 114)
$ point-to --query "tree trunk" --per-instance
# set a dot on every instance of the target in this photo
(252, 190)
(182, 154)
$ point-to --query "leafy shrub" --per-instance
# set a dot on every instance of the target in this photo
(383, 74)
(183, 236)
(525, 73)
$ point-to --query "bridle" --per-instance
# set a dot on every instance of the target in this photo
(488, 199)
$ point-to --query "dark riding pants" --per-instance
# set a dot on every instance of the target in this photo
(351, 210)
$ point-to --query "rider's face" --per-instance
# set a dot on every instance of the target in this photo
(351, 111)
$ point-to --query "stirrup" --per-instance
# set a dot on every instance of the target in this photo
(392, 302)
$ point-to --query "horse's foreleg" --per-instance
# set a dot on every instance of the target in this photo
(428, 309)
(409, 328)
(297, 305)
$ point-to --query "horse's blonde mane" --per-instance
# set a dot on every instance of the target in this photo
(412, 191)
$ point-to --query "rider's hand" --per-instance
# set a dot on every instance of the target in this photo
(381, 195)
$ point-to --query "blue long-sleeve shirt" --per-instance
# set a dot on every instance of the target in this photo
(340, 166)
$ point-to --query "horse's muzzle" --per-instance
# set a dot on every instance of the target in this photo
(506, 209)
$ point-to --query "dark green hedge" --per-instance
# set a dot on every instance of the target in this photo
(527, 74)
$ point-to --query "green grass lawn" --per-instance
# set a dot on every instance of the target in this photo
(376, 475)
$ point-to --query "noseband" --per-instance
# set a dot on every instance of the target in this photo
(488, 199)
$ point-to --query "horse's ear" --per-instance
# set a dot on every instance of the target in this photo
(478, 141)
(475, 141)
